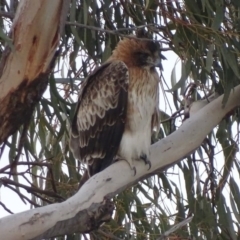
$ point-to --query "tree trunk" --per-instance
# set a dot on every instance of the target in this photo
(25, 66)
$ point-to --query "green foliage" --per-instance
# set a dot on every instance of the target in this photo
(205, 36)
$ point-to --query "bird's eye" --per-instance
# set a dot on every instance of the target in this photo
(142, 57)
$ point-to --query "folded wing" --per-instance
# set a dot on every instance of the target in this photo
(99, 120)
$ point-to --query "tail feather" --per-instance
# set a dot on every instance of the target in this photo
(97, 166)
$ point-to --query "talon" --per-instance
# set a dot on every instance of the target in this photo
(146, 160)
(149, 164)
(131, 165)
(143, 156)
(134, 171)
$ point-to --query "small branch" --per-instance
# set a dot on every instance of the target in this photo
(173, 116)
(7, 14)
(109, 235)
(22, 196)
(107, 30)
(175, 228)
(114, 32)
(52, 180)
(5, 208)
(64, 12)
(32, 189)
(67, 80)
(20, 145)
(39, 164)
(2, 149)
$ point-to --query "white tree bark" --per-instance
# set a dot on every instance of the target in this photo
(89, 205)
(24, 69)
(35, 39)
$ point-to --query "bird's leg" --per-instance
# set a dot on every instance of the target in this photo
(144, 157)
(130, 162)
(133, 168)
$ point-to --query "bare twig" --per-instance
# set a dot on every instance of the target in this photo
(108, 235)
(114, 32)
(2, 149)
(39, 164)
(31, 189)
(5, 208)
(175, 228)
(23, 197)
(7, 14)
(52, 180)
(20, 146)
(174, 116)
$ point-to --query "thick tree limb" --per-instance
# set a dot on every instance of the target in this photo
(91, 206)
(25, 67)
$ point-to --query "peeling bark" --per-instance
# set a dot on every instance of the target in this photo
(25, 67)
(84, 221)
(18, 105)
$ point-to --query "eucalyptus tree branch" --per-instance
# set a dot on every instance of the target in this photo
(114, 32)
(7, 14)
(91, 205)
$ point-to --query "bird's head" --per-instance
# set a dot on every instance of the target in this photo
(139, 51)
(149, 55)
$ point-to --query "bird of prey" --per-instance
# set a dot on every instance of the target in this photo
(118, 107)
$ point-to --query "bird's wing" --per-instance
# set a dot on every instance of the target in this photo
(155, 125)
(98, 124)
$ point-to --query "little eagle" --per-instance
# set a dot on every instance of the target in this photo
(118, 107)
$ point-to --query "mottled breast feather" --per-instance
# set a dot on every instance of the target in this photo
(98, 124)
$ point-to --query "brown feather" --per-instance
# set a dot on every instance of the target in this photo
(98, 124)
(118, 107)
